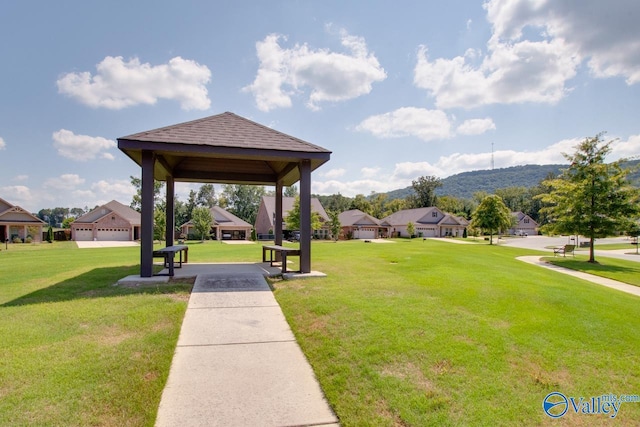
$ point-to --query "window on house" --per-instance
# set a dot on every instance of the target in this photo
(526, 220)
(434, 214)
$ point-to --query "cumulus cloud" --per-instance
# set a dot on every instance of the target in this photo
(605, 33)
(3, 144)
(334, 173)
(20, 178)
(327, 76)
(66, 182)
(118, 84)
(475, 126)
(408, 121)
(81, 147)
(535, 49)
(369, 172)
(18, 194)
(119, 189)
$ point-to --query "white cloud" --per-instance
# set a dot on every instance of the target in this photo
(334, 173)
(625, 149)
(604, 32)
(408, 121)
(3, 144)
(118, 189)
(118, 84)
(65, 182)
(17, 195)
(20, 178)
(369, 172)
(329, 76)
(475, 126)
(81, 147)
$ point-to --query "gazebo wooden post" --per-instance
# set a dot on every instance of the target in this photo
(170, 212)
(305, 216)
(277, 223)
(146, 215)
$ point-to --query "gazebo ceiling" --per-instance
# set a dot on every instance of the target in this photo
(224, 148)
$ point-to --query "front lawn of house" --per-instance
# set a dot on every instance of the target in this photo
(409, 333)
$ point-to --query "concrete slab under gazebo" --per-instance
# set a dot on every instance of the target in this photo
(223, 148)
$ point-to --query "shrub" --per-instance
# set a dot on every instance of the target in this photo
(29, 239)
(17, 240)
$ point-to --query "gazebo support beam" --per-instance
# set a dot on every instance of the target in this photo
(305, 216)
(277, 223)
(170, 212)
(146, 216)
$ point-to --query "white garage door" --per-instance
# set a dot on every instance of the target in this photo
(426, 231)
(83, 235)
(365, 233)
(113, 234)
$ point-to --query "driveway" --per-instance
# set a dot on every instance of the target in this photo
(543, 243)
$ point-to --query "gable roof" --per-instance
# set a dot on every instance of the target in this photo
(520, 216)
(123, 211)
(269, 203)
(224, 217)
(416, 216)
(357, 217)
(16, 214)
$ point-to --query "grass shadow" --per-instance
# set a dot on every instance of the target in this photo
(97, 283)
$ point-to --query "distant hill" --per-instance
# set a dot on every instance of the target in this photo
(464, 184)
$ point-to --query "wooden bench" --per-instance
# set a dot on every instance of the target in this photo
(564, 250)
(284, 252)
(169, 253)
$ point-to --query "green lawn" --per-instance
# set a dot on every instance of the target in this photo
(611, 268)
(410, 333)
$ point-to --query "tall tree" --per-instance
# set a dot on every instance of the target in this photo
(290, 191)
(334, 202)
(136, 202)
(202, 221)
(243, 200)
(379, 205)
(360, 202)
(492, 215)
(206, 196)
(424, 191)
(293, 218)
(334, 224)
(591, 197)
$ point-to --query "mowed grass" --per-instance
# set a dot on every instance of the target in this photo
(611, 268)
(433, 333)
(409, 333)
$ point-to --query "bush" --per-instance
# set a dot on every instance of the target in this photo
(17, 240)
(29, 239)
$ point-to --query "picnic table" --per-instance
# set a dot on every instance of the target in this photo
(169, 253)
(282, 251)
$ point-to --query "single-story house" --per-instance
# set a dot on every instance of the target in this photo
(356, 224)
(266, 216)
(16, 222)
(225, 226)
(427, 222)
(524, 226)
(112, 221)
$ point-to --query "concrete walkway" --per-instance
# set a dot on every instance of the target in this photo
(614, 284)
(237, 363)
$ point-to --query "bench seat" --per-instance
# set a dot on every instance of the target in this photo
(282, 251)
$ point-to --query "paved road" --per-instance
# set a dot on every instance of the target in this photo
(543, 243)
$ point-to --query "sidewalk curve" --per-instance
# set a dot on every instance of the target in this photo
(614, 284)
(237, 363)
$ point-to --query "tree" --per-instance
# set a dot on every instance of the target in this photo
(50, 235)
(159, 224)
(334, 224)
(425, 192)
(292, 220)
(243, 200)
(67, 222)
(206, 196)
(492, 215)
(361, 203)
(290, 191)
(411, 229)
(591, 197)
(334, 202)
(202, 221)
(378, 205)
(136, 202)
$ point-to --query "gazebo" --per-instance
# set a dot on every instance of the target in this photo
(224, 148)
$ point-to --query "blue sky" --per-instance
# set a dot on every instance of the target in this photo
(396, 90)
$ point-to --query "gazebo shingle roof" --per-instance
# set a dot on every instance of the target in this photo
(224, 148)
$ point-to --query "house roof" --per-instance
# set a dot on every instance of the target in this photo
(269, 203)
(224, 148)
(520, 216)
(223, 217)
(123, 211)
(418, 215)
(423, 216)
(357, 217)
(16, 214)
